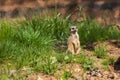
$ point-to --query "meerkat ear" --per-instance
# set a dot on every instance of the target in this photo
(76, 28)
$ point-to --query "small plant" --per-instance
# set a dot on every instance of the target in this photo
(67, 58)
(87, 65)
(80, 58)
(101, 52)
(66, 75)
(49, 66)
(106, 63)
(109, 61)
(84, 61)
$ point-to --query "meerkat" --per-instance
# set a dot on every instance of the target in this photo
(73, 41)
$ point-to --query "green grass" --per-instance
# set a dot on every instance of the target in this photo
(66, 75)
(100, 52)
(90, 31)
(31, 43)
(109, 61)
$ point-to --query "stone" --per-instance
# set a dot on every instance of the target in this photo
(39, 78)
(99, 75)
(52, 78)
(105, 76)
(77, 77)
(88, 72)
(92, 78)
(77, 70)
(111, 76)
(93, 73)
(105, 72)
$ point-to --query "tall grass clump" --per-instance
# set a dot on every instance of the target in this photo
(24, 43)
(113, 33)
(6, 29)
(31, 39)
(90, 31)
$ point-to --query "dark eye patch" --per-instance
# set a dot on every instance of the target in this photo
(72, 28)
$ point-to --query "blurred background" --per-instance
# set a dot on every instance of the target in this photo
(104, 11)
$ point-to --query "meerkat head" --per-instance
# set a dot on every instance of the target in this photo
(73, 29)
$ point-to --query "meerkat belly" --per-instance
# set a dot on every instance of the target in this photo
(75, 39)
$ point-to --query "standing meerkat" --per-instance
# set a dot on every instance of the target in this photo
(73, 41)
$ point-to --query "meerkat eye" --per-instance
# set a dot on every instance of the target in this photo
(72, 28)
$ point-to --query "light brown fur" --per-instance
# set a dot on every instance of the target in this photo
(73, 41)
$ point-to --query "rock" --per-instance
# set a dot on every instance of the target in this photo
(88, 73)
(115, 75)
(93, 73)
(77, 77)
(77, 70)
(105, 76)
(92, 78)
(118, 75)
(39, 78)
(111, 76)
(105, 72)
(99, 75)
(100, 71)
(52, 78)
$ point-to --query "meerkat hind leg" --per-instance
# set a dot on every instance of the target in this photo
(71, 48)
(78, 51)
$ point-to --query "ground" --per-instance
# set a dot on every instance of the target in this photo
(101, 73)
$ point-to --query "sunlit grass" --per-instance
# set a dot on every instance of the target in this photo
(32, 42)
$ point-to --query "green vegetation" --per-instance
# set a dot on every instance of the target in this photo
(32, 43)
(101, 52)
(49, 66)
(109, 61)
(66, 75)
(90, 31)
